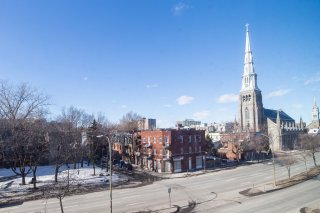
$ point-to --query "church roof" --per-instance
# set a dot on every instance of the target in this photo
(272, 114)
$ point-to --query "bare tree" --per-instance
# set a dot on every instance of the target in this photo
(16, 149)
(19, 106)
(239, 144)
(311, 143)
(129, 122)
(304, 154)
(75, 121)
(38, 151)
(61, 188)
(259, 144)
(59, 146)
(287, 160)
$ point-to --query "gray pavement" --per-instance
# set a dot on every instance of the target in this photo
(226, 184)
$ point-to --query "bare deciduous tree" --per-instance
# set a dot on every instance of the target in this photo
(59, 146)
(129, 122)
(311, 143)
(287, 160)
(19, 106)
(38, 140)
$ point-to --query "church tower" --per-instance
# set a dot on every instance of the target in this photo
(315, 111)
(250, 107)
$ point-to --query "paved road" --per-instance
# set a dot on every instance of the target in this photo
(226, 184)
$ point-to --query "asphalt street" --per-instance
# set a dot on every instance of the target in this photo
(226, 184)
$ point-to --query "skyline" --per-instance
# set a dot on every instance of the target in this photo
(169, 61)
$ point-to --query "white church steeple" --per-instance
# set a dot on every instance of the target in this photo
(249, 77)
(315, 110)
(250, 105)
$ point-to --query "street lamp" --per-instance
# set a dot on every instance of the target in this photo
(110, 165)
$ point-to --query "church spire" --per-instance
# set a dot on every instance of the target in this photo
(315, 110)
(248, 59)
(249, 78)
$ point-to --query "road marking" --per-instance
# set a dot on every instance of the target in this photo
(132, 204)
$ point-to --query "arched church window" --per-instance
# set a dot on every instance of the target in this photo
(247, 117)
(249, 97)
(243, 98)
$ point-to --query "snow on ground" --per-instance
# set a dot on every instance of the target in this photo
(45, 175)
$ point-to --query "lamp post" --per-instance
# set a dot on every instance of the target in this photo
(110, 169)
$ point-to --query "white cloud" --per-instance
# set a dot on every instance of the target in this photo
(123, 106)
(228, 98)
(179, 8)
(278, 93)
(151, 86)
(201, 115)
(183, 100)
(312, 80)
(167, 105)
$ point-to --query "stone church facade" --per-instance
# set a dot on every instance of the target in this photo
(280, 128)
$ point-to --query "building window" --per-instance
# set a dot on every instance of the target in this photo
(195, 138)
(167, 153)
(149, 139)
(190, 149)
(181, 138)
(154, 151)
(199, 148)
(166, 140)
(190, 138)
(181, 150)
(160, 139)
(160, 151)
(144, 140)
(247, 116)
(154, 139)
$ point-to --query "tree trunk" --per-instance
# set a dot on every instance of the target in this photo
(56, 174)
(305, 163)
(289, 172)
(23, 177)
(34, 170)
(94, 168)
(314, 159)
(61, 206)
(78, 169)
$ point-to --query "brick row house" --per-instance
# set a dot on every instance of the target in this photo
(172, 150)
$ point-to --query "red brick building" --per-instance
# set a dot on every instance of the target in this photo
(172, 150)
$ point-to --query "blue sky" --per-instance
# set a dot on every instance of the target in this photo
(168, 60)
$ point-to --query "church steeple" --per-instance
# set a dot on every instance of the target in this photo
(249, 77)
(315, 110)
(250, 106)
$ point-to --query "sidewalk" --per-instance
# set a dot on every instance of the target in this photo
(185, 174)
(282, 184)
